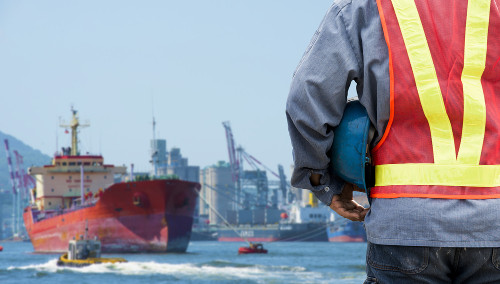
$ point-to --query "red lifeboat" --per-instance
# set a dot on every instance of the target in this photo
(253, 248)
(1, 248)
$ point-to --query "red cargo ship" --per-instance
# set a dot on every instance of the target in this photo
(137, 216)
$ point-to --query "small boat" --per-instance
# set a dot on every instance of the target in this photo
(1, 248)
(253, 248)
(84, 252)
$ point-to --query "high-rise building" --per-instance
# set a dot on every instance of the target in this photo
(171, 163)
(177, 165)
(159, 157)
(217, 189)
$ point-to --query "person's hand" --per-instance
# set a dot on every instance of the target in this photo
(345, 205)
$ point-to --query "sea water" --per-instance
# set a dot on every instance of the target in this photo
(204, 262)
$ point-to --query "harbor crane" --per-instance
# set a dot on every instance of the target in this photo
(21, 183)
(234, 162)
(16, 207)
(236, 158)
(25, 181)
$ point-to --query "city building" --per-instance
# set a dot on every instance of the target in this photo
(217, 189)
(171, 163)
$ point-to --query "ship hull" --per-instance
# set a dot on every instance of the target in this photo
(287, 232)
(143, 216)
(346, 231)
(346, 239)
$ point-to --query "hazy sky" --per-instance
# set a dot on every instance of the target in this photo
(193, 64)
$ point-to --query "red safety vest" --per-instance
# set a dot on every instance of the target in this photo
(443, 136)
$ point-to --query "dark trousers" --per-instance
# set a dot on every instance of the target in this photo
(403, 264)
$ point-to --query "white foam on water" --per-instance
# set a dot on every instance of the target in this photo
(224, 271)
(50, 266)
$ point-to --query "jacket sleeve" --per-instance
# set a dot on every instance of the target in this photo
(316, 102)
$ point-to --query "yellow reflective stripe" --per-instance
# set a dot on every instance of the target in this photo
(426, 80)
(476, 42)
(432, 174)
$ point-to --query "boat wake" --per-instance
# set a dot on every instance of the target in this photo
(211, 271)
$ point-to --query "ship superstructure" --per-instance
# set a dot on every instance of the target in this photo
(72, 180)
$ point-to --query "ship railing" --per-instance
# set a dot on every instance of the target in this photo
(40, 216)
(47, 214)
(80, 206)
(77, 204)
(94, 200)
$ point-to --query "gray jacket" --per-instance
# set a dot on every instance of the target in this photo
(348, 46)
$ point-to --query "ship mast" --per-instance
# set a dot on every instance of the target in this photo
(74, 125)
(154, 155)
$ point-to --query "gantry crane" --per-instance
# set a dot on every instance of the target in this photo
(16, 212)
(236, 157)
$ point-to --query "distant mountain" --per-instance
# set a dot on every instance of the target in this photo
(31, 157)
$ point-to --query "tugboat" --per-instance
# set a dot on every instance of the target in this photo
(84, 252)
(253, 248)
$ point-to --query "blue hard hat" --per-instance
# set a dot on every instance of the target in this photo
(350, 159)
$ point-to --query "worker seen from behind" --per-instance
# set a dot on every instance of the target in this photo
(428, 75)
